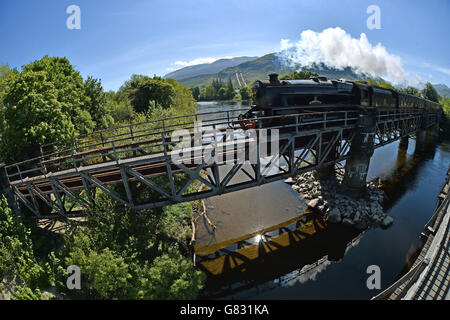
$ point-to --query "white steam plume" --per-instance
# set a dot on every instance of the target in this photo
(336, 49)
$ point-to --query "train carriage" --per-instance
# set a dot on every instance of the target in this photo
(283, 97)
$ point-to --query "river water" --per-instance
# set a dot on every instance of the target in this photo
(333, 264)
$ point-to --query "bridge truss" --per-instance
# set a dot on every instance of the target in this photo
(121, 161)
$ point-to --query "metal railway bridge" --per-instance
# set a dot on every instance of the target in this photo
(61, 179)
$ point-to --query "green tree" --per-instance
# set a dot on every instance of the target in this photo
(430, 93)
(245, 92)
(27, 294)
(170, 276)
(183, 101)
(445, 123)
(142, 89)
(105, 274)
(195, 92)
(302, 75)
(144, 264)
(217, 84)
(411, 90)
(16, 250)
(70, 90)
(222, 94)
(119, 107)
(381, 84)
(208, 93)
(230, 89)
(6, 74)
(33, 114)
(97, 103)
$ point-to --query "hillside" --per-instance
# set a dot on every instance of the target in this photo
(207, 68)
(258, 69)
(443, 90)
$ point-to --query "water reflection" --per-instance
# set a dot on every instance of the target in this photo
(282, 258)
(405, 174)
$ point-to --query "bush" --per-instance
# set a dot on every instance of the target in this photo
(170, 276)
(104, 273)
(16, 250)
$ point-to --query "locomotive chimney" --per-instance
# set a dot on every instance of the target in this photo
(273, 77)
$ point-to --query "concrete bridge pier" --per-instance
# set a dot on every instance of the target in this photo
(433, 133)
(404, 141)
(421, 137)
(421, 134)
(361, 150)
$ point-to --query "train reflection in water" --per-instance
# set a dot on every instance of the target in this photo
(296, 251)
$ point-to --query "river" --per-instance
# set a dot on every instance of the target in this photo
(333, 265)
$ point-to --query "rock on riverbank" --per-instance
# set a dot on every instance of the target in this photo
(323, 195)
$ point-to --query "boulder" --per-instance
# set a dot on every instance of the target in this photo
(334, 216)
(348, 222)
(289, 181)
(313, 203)
(387, 222)
(361, 225)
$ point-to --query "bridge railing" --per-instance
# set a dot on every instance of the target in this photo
(100, 145)
(154, 137)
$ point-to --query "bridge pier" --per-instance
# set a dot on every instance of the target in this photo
(404, 141)
(421, 134)
(361, 150)
(421, 137)
(433, 132)
(6, 190)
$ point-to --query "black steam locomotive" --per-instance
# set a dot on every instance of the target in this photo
(283, 97)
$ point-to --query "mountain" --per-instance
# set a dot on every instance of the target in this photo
(442, 89)
(260, 68)
(207, 68)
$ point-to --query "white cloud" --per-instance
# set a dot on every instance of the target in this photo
(194, 62)
(335, 48)
(443, 70)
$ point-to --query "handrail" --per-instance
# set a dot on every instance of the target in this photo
(203, 125)
(411, 275)
(84, 152)
(415, 271)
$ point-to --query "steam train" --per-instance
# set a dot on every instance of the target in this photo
(283, 97)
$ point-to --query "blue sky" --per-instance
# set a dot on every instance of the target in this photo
(118, 38)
